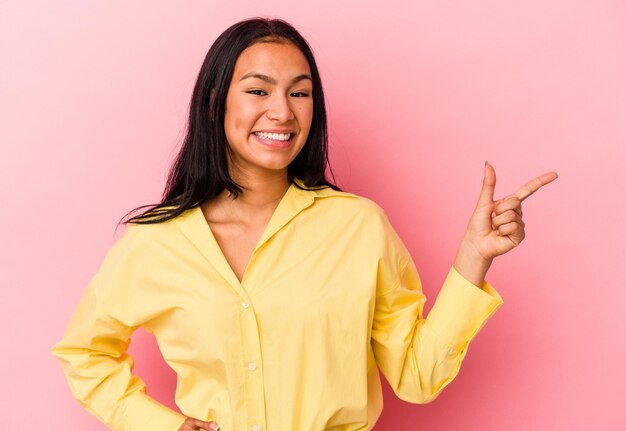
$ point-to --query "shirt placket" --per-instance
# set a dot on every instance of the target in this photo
(252, 364)
(252, 368)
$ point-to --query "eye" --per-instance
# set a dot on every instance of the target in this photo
(255, 92)
(301, 94)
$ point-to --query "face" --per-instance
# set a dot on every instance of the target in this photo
(269, 107)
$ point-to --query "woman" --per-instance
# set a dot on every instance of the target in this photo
(274, 295)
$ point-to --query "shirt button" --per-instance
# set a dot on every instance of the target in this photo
(244, 304)
(252, 367)
(256, 427)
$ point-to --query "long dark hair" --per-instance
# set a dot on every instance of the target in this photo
(200, 170)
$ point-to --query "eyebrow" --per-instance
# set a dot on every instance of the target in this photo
(271, 80)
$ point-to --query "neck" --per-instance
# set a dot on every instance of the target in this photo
(260, 196)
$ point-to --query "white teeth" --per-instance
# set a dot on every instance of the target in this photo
(274, 136)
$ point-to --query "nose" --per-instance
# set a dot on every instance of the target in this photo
(279, 108)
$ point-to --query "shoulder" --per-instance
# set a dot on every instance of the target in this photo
(145, 235)
(351, 207)
(363, 219)
(344, 198)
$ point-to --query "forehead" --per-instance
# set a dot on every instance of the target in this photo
(272, 58)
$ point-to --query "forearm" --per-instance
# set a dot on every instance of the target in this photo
(419, 366)
(93, 357)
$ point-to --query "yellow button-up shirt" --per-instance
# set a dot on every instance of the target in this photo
(330, 296)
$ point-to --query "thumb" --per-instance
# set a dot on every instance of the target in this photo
(489, 186)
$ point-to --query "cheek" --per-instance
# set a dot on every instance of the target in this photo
(239, 120)
(305, 116)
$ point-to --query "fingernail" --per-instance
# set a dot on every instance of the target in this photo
(214, 426)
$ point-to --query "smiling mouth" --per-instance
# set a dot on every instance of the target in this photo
(276, 140)
(274, 136)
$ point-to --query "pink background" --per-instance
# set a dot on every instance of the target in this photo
(93, 101)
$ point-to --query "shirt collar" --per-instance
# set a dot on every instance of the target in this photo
(195, 227)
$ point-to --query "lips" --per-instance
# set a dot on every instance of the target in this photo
(274, 143)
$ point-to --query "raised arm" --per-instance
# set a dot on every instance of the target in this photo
(420, 355)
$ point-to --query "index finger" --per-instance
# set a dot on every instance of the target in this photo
(533, 185)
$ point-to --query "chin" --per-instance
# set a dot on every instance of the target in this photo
(274, 166)
(275, 162)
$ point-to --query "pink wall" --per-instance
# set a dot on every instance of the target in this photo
(93, 99)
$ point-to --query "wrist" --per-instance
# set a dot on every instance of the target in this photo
(470, 264)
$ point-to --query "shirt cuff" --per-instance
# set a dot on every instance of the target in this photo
(461, 310)
(145, 413)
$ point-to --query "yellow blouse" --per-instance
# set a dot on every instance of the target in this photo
(330, 296)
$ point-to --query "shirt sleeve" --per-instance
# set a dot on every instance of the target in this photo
(92, 352)
(420, 356)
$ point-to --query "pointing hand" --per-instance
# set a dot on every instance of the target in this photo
(495, 227)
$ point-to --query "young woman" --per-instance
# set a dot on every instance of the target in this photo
(274, 295)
